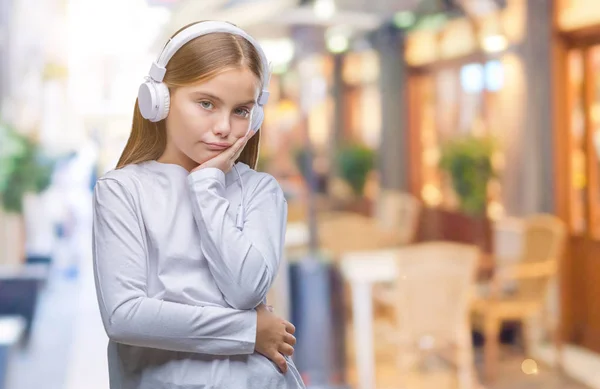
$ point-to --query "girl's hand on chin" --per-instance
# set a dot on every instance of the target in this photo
(227, 158)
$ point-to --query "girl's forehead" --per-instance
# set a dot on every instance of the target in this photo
(240, 81)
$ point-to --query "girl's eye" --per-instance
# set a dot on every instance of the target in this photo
(206, 104)
(243, 112)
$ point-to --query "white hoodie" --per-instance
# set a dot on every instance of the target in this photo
(177, 282)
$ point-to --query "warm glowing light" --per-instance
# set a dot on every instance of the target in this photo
(529, 367)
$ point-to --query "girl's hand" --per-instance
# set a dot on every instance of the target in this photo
(227, 158)
(274, 337)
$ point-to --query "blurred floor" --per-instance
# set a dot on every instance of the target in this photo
(43, 363)
(510, 377)
(510, 374)
(88, 366)
(68, 348)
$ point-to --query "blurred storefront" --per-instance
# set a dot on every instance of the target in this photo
(361, 97)
(577, 130)
(467, 76)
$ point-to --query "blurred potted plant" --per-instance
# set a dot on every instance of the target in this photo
(354, 163)
(468, 163)
(24, 169)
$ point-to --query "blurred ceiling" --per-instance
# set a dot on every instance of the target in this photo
(381, 7)
(360, 14)
(274, 18)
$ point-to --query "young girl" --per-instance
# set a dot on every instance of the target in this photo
(187, 241)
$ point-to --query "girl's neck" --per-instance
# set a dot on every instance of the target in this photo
(180, 159)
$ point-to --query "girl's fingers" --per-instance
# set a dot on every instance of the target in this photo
(239, 146)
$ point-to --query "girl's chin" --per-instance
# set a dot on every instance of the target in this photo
(205, 156)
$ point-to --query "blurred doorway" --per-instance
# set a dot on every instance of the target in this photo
(577, 156)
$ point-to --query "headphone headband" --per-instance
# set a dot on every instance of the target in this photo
(158, 68)
(153, 95)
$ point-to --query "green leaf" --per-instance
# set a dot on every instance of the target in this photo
(354, 164)
(468, 162)
(23, 168)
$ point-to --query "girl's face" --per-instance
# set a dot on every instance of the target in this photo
(207, 118)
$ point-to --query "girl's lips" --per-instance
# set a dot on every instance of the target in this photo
(217, 146)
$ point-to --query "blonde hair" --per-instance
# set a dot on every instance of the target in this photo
(199, 60)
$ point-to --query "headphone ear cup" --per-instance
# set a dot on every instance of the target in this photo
(257, 118)
(147, 100)
(154, 100)
(164, 101)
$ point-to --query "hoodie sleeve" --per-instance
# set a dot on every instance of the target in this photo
(128, 314)
(243, 263)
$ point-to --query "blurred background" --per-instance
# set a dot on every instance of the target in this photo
(441, 161)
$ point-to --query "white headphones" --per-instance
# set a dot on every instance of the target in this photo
(153, 94)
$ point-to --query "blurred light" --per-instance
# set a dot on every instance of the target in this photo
(324, 9)
(337, 39)
(404, 19)
(337, 44)
(431, 195)
(105, 65)
(495, 210)
(495, 43)
(431, 156)
(494, 75)
(471, 78)
(279, 52)
(529, 366)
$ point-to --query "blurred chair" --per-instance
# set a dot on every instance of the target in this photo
(398, 212)
(432, 296)
(543, 242)
(507, 240)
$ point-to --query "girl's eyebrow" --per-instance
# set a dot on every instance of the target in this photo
(211, 96)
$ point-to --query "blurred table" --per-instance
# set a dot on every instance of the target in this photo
(340, 232)
(362, 270)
